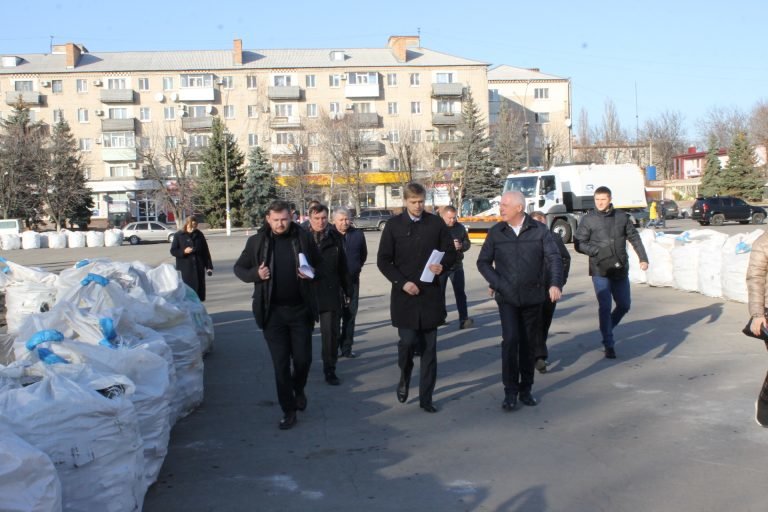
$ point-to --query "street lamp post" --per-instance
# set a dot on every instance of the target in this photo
(228, 220)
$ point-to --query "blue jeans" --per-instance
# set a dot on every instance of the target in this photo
(607, 290)
(457, 280)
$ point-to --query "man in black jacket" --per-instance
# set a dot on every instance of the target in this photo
(284, 303)
(356, 250)
(602, 235)
(332, 285)
(512, 260)
(456, 273)
(416, 307)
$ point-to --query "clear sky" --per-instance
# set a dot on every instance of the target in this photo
(680, 55)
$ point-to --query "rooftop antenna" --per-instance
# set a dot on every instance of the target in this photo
(637, 118)
(50, 45)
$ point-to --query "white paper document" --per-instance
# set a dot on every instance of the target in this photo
(436, 257)
(304, 266)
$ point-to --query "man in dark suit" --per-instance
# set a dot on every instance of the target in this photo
(284, 303)
(417, 308)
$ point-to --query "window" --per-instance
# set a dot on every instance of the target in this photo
(415, 79)
(446, 134)
(229, 111)
(118, 139)
(362, 108)
(312, 139)
(310, 81)
(118, 113)
(311, 109)
(415, 107)
(444, 78)
(542, 117)
(196, 81)
(87, 174)
(391, 79)
(196, 169)
(253, 111)
(493, 95)
(370, 77)
(334, 108)
(281, 80)
(541, 93)
(283, 110)
(199, 140)
(143, 84)
(393, 136)
(170, 141)
(85, 144)
(197, 111)
(337, 55)
(366, 164)
(22, 85)
(57, 86)
(444, 107)
(118, 171)
(284, 138)
(167, 83)
(116, 83)
(392, 108)
(415, 135)
(227, 82)
(169, 113)
(144, 114)
(81, 85)
(334, 80)
(253, 140)
(314, 166)
(250, 81)
(394, 164)
(82, 115)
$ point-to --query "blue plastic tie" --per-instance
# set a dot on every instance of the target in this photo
(94, 278)
(82, 263)
(43, 336)
(48, 357)
(743, 248)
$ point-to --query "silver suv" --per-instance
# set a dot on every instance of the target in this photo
(372, 219)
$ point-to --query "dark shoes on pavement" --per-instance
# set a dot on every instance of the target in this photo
(429, 408)
(527, 399)
(331, 378)
(610, 353)
(402, 388)
(541, 365)
(301, 401)
(348, 354)
(288, 421)
(761, 413)
(466, 323)
(509, 403)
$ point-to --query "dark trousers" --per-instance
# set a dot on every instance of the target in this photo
(329, 334)
(427, 339)
(348, 315)
(547, 312)
(520, 333)
(608, 290)
(457, 281)
(764, 390)
(288, 332)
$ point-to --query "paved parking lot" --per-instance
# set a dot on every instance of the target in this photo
(667, 426)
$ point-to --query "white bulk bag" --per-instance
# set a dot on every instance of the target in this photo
(57, 240)
(636, 274)
(660, 261)
(25, 298)
(75, 239)
(30, 240)
(685, 266)
(733, 273)
(113, 238)
(10, 242)
(94, 239)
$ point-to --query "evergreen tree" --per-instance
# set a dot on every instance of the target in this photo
(711, 177)
(477, 177)
(740, 176)
(211, 190)
(63, 187)
(260, 187)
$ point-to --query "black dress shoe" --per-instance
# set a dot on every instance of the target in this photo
(509, 403)
(402, 390)
(349, 354)
(429, 408)
(610, 353)
(332, 379)
(527, 399)
(301, 401)
(288, 421)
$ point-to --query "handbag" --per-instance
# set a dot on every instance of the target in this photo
(608, 262)
(748, 332)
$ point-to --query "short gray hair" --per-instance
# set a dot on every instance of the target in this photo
(340, 210)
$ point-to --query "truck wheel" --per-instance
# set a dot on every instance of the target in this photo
(717, 219)
(758, 218)
(561, 228)
(134, 240)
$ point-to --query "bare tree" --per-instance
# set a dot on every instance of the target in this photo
(724, 124)
(507, 140)
(408, 148)
(667, 135)
(586, 137)
(611, 136)
(758, 123)
(294, 163)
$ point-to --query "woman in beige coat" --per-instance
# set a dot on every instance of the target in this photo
(757, 278)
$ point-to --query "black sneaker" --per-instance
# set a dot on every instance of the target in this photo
(541, 365)
(610, 353)
(761, 413)
(288, 421)
(332, 379)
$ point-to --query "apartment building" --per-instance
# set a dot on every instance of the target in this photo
(541, 104)
(118, 102)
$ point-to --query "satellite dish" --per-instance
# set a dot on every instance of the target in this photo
(159, 97)
(174, 97)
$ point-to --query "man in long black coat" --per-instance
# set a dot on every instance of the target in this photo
(416, 307)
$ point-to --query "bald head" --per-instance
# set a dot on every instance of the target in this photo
(512, 207)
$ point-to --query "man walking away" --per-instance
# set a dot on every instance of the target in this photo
(284, 303)
(512, 261)
(456, 273)
(356, 250)
(548, 308)
(416, 307)
(602, 235)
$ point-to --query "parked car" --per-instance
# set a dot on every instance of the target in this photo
(716, 210)
(671, 210)
(372, 219)
(137, 232)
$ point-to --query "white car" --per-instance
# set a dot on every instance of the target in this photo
(137, 232)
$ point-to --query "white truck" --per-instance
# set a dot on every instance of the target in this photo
(565, 193)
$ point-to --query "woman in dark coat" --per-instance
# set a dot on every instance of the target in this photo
(193, 259)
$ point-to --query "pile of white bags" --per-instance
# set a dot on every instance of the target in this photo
(698, 260)
(119, 344)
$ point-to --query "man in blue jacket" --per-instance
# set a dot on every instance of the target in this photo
(513, 260)
(356, 251)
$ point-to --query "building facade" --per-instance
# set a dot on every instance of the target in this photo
(401, 103)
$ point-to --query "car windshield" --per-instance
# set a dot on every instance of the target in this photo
(524, 184)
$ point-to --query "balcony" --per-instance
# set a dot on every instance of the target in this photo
(118, 125)
(443, 147)
(447, 90)
(117, 95)
(282, 149)
(284, 92)
(364, 119)
(285, 122)
(197, 94)
(362, 90)
(196, 124)
(28, 97)
(371, 148)
(446, 119)
(118, 154)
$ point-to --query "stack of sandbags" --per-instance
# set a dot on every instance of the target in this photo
(735, 259)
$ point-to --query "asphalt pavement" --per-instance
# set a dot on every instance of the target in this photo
(669, 425)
